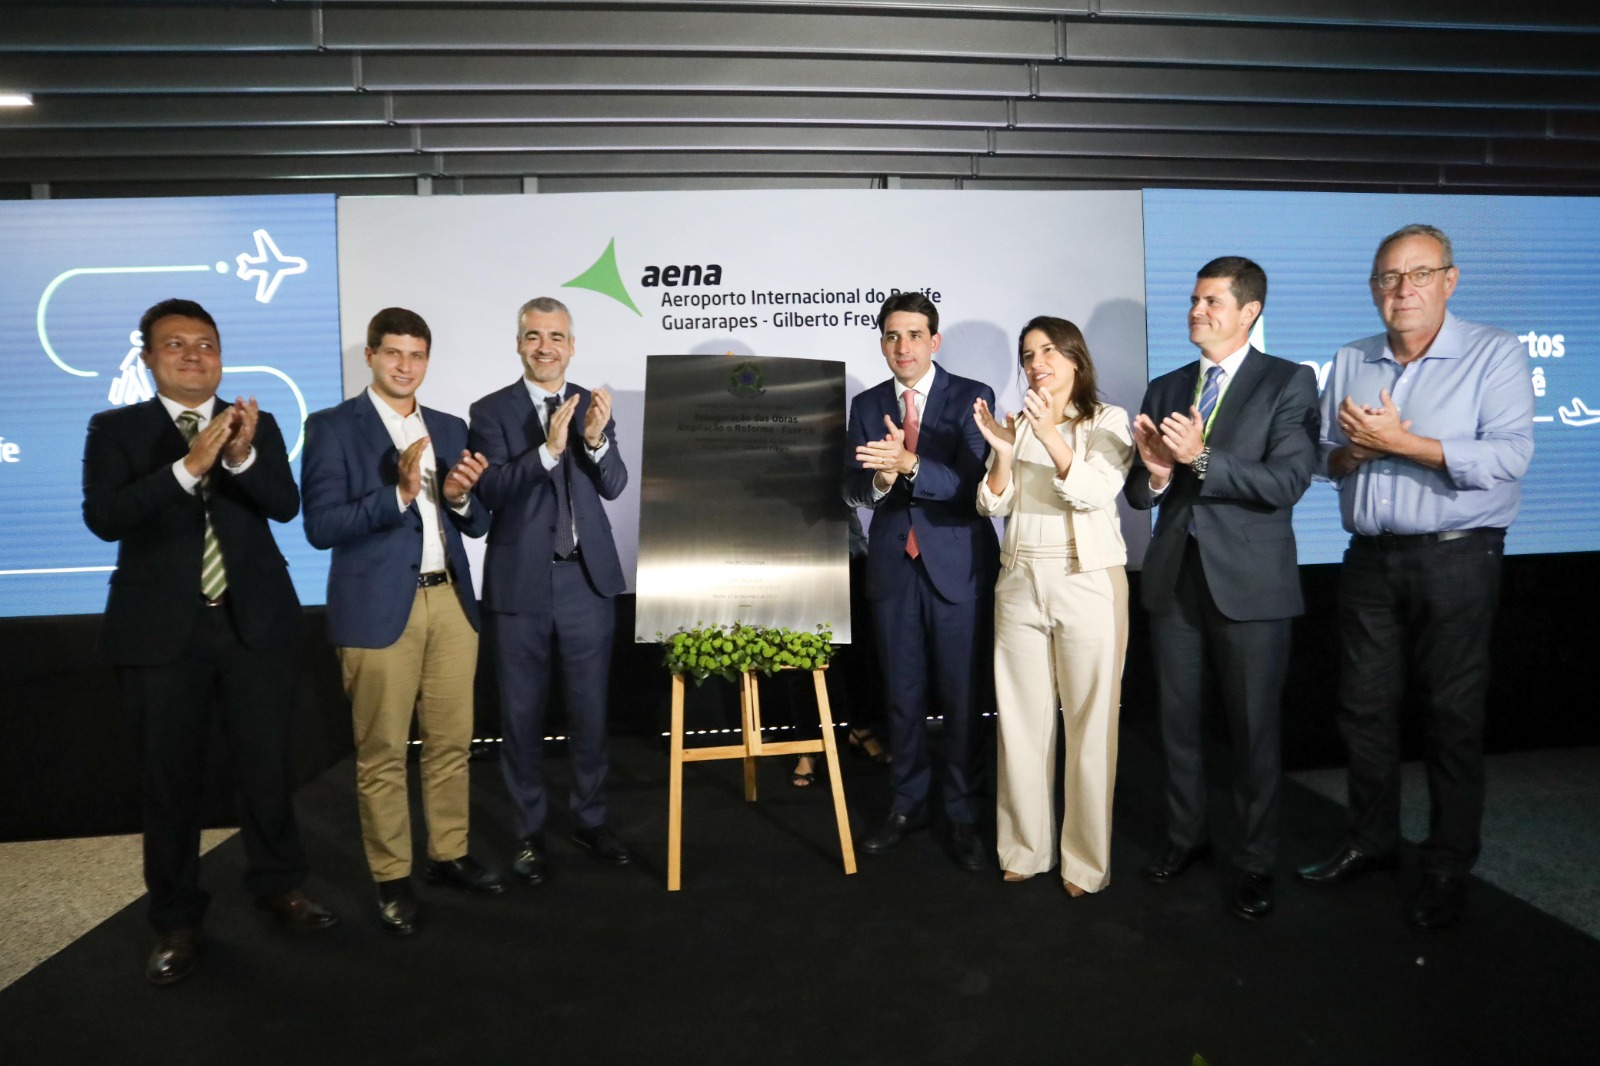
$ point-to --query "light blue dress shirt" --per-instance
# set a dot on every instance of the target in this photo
(1472, 392)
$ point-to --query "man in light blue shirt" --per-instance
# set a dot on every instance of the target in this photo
(1427, 429)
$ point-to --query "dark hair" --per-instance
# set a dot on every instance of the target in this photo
(167, 308)
(401, 323)
(914, 302)
(1247, 281)
(1069, 341)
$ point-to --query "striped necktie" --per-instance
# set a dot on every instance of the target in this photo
(1210, 395)
(213, 575)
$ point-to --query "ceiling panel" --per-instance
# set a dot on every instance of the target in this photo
(476, 95)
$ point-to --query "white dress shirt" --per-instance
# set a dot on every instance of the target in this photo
(403, 431)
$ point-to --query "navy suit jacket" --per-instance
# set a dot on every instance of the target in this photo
(518, 492)
(958, 547)
(1263, 454)
(130, 496)
(350, 471)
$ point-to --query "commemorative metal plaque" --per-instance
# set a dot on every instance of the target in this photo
(740, 517)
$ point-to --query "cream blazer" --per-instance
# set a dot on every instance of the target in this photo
(1086, 499)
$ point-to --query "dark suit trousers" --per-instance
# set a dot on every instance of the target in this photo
(253, 693)
(1250, 662)
(1434, 605)
(933, 653)
(570, 632)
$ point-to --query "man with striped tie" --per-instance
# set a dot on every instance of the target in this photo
(1226, 447)
(201, 619)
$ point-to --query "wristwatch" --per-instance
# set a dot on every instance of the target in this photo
(1199, 463)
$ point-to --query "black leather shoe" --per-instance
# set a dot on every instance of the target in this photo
(466, 873)
(175, 957)
(398, 912)
(1438, 904)
(531, 866)
(297, 911)
(1342, 865)
(1172, 864)
(893, 831)
(607, 847)
(1252, 896)
(967, 844)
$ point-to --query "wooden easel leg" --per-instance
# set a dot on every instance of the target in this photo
(750, 706)
(675, 790)
(831, 752)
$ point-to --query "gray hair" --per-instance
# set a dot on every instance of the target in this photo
(544, 305)
(1419, 229)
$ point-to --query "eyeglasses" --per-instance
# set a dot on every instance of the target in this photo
(1421, 277)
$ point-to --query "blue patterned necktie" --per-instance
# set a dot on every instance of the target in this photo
(564, 540)
(1210, 395)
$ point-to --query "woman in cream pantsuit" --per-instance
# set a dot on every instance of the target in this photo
(1061, 607)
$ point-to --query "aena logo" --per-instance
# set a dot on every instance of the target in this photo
(604, 277)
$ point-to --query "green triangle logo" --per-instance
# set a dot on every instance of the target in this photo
(604, 279)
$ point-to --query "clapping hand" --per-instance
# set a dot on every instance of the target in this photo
(463, 476)
(410, 470)
(244, 415)
(597, 418)
(1002, 436)
(555, 438)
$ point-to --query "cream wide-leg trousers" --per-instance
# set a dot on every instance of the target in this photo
(1060, 640)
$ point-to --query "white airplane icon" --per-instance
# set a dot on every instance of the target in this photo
(1581, 414)
(254, 266)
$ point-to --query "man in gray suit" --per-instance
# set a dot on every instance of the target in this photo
(1226, 447)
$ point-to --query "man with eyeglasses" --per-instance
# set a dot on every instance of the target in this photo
(1427, 430)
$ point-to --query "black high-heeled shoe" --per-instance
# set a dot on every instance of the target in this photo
(804, 780)
(862, 743)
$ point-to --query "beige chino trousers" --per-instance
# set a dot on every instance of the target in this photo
(428, 670)
(1060, 641)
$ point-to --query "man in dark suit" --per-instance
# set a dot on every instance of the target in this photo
(385, 490)
(1226, 447)
(550, 575)
(915, 459)
(201, 617)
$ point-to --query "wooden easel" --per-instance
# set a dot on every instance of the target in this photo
(749, 750)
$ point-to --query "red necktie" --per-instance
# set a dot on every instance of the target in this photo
(912, 423)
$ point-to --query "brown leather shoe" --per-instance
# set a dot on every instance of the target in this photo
(297, 911)
(176, 956)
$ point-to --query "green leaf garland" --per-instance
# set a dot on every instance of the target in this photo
(727, 651)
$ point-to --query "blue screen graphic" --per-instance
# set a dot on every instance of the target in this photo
(1528, 265)
(76, 278)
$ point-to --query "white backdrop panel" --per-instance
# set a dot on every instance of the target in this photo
(994, 259)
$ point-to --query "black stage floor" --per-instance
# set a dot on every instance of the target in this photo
(771, 954)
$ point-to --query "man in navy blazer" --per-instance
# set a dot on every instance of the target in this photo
(915, 459)
(388, 486)
(550, 577)
(201, 621)
(1226, 456)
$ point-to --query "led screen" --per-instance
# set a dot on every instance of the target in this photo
(1528, 264)
(76, 278)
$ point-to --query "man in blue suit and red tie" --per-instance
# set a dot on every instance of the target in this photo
(388, 486)
(915, 457)
(550, 577)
